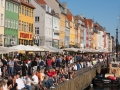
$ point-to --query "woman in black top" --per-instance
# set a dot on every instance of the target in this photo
(13, 86)
(24, 69)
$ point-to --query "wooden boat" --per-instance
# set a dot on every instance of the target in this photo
(110, 79)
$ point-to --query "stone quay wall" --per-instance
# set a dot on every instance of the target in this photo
(82, 80)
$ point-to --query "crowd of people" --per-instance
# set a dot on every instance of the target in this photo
(43, 71)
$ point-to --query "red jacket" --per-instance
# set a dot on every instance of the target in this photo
(49, 62)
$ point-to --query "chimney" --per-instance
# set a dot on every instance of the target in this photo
(64, 4)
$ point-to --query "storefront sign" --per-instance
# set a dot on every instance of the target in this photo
(26, 35)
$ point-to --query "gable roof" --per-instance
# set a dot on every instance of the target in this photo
(88, 23)
(27, 4)
(41, 1)
(54, 5)
(99, 27)
(69, 15)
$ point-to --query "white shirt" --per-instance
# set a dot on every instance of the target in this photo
(75, 67)
(20, 83)
(5, 87)
(35, 78)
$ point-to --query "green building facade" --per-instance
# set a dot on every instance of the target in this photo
(11, 22)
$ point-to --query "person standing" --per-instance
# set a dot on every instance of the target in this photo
(11, 67)
(4, 67)
(16, 66)
(1, 64)
(24, 69)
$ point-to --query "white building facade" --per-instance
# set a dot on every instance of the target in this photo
(2, 16)
(107, 42)
(100, 40)
(43, 31)
(55, 27)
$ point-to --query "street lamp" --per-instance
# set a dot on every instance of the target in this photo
(36, 39)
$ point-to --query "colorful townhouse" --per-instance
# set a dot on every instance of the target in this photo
(58, 29)
(26, 22)
(79, 26)
(100, 36)
(2, 16)
(95, 36)
(11, 22)
(70, 17)
(67, 33)
(42, 24)
(89, 31)
(63, 30)
(49, 30)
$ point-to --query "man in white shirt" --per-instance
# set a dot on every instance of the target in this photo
(34, 80)
(75, 67)
(19, 83)
(27, 82)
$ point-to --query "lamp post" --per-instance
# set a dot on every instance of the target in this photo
(116, 44)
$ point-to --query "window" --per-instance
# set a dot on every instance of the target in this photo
(27, 11)
(32, 13)
(16, 8)
(16, 25)
(19, 25)
(7, 5)
(9, 8)
(2, 4)
(22, 25)
(36, 30)
(6, 22)
(1, 20)
(36, 19)
(11, 23)
(56, 33)
(12, 7)
(22, 9)
(29, 27)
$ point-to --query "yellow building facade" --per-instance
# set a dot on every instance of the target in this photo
(72, 38)
(2, 16)
(62, 30)
(26, 21)
(72, 33)
(95, 40)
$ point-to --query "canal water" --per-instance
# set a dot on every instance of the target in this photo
(103, 88)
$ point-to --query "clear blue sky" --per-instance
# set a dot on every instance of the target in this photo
(105, 12)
